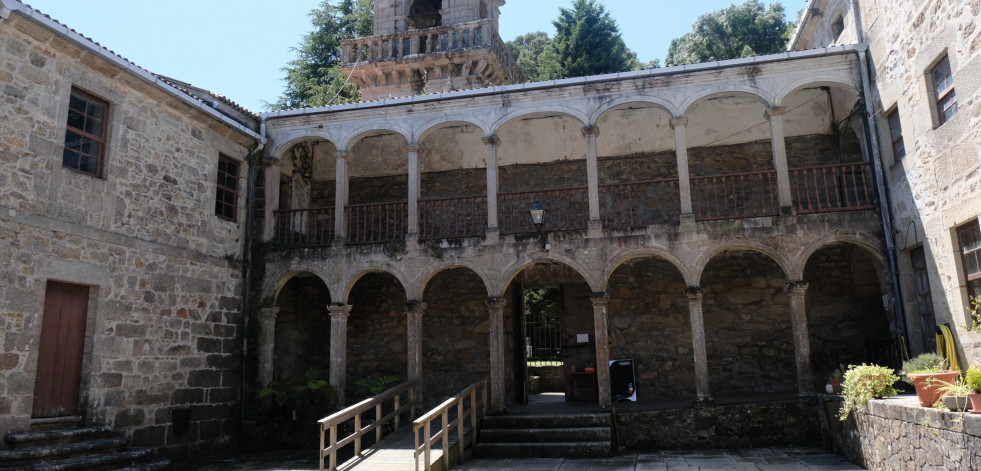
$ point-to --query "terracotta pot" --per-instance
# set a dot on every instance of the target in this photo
(836, 385)
(975, 403)
(928, 385)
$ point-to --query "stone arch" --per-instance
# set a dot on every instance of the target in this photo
(663, 103)
(574, 113)
(685, 270)
(431, 126)
(282, 276)
(863, 240)
(746, 245)
(515, 269)
(755, 93)
(375, 267)
(352, 137)
(281, 144)
(819, 80)
(419, 290)
(425, 14)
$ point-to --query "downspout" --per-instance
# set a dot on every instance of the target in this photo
(254, 165)
(885, 206)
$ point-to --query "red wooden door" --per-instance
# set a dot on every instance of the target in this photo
(59, 362)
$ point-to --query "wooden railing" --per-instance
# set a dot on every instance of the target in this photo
(566, 210)
(451, 218)
(305, 227)
(330, 443)
(638, 204)
(376, 223)
(740, 195)
(466, 405)
(832, 188)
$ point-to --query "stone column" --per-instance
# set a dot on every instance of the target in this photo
(495, 310)
(681, 154)
(272, 202)
(490, 153)
(413, 313)
(695, 295)
(802, 342)
(592, 178)
(775, 116)
(340, 196)
(267, 343)
(601, 329)
(338, 348)
(415, 180)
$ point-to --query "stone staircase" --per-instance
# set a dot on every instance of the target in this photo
(545, 436)
(62, 444)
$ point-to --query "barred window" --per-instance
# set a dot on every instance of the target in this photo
(85, 133)
(226, 195)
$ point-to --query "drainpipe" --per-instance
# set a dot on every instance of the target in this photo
(885, 206)
(247, 259)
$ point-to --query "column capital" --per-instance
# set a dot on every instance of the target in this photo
(496, 302)
(415, 307)
(339, 311)
(591, 130)
(796, 288)
(694, 293)
(268, 312)
(680, 121)
(341, 154)
(600, 299)
(774, 111)
(491, 140)
(413, 148)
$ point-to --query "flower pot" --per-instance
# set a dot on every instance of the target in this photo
(975, 403)
(928, 386)
(957, 403)
(836, 385)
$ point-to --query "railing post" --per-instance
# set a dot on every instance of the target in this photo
(695, 295)
(595, 224)
(341, 196)
(338, 348)
(779, 143)
(490, 152)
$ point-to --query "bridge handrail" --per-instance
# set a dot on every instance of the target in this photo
(329, 424)
(444, 433)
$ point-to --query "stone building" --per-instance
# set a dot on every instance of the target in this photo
(923, 62)
(123, 215)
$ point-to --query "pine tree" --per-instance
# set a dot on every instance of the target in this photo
(587, 42)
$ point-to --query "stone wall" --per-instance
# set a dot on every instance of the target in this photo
(302, 329)
(164, 328)
(376, 333)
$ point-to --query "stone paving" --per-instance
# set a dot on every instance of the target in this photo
(759, 459)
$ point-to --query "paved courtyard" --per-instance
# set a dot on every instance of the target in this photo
(758, 459)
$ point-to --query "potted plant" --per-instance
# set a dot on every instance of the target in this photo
(863, 383)
(927, 372)
(834, 382)
(955, 395)
(973, 380)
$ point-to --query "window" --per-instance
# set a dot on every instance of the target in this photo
(226, 196)
(838, 27)
(943, 86)
(896, 130)
(85, 134)
(969, 238)
(924, 300)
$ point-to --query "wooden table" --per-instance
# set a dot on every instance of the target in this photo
(570, 390)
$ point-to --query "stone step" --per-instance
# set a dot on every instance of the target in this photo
(149, 466)
(108, 461)
(545, 435)
(62, 451)
(546, 421)
(55, 423)
(54, 437)
(543, 450)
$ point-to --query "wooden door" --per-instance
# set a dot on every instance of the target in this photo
(59, 363)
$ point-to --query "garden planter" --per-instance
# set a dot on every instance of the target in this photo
(975, 403)
(928, 385)
(957, 403)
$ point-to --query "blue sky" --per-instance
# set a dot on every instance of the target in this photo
(237, 47)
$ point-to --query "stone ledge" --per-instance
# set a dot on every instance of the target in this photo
(906, 408)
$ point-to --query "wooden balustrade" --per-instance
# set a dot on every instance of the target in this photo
(452, 218)
(377, 223)
(638, 204)
(330, 443)
(740, 195)
(565, 210)
(466, 405)
(826, 188)
(297, 228)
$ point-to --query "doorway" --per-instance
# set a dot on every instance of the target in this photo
(59, 363)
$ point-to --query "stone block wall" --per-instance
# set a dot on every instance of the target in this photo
(376, 332)
(164, 327)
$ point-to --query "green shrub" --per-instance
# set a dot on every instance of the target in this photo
(973, 379)
(863, 383)
(924, 363)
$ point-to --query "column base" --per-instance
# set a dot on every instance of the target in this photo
(594, 229)
(339, 241)
(412, 241)
(492, 236)
(788, 211)
(704, 402)
(687, 222)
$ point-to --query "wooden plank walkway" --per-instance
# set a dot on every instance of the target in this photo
(393, 453)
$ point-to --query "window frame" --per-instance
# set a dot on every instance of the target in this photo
(949, 92)
(101, 140)
(893, 133)
(971, 279)
(221, 189)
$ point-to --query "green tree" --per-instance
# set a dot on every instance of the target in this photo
(737, 31)
(527, 50)
(587, 42)
(315, 78)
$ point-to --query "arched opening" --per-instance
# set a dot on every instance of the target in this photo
(378, 186)
(748, 333)
(549, 319)
(453, 191)
(484, 14)
(846, 321)
(307, 190)
(649, 323)
(455, 330)
(425, 14)
(377, 353)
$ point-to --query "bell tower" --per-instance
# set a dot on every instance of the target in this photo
(430, 46)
